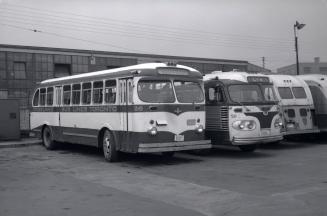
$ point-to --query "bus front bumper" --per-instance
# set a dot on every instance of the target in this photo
(256, 140)
(174, 146)
(299, 131)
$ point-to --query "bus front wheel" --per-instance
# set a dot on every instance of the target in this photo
(248, 148)
(47, 138)
(109, 147)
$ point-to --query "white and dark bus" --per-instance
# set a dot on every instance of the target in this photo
(318, 88)
(154, 107)
(241, 110)
(296, 104)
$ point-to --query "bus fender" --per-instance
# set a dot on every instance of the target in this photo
(104, 127)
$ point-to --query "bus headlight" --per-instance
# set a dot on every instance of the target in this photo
(244, 125)
(199, 129)
(153, 131)
(278, 123)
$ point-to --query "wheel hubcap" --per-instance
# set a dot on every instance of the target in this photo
(106, 145)
(46, 137)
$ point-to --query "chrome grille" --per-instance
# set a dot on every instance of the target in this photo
(224, 117)
(216, 118)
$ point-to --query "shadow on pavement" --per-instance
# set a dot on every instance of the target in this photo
(233, 152)
(135, 159)
(286, 145)
(157, 159)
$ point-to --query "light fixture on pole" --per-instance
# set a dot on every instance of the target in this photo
(297, 26)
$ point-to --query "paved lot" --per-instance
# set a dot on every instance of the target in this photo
(284, 179)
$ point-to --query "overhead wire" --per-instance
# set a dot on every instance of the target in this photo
(139, 31)
(131, 24)
(70, 37)
(158, 37)
(126, 34)
(100, 25)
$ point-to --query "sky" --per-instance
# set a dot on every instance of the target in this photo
(224, 29)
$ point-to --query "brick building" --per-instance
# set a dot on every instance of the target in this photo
(315, 67)
(21, 67)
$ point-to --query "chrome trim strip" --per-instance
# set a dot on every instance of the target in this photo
(78, 134)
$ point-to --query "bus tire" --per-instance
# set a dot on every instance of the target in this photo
(47, 138)
(168, 154)
(248, 148)
(109, 147)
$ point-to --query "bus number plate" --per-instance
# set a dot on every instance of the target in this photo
(265, 132)
(179, 138)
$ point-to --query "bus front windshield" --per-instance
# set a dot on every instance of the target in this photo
(245, 93)
(249, 93)
(188, 92)
(162, 91)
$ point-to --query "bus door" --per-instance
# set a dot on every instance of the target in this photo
(125, 99)
(58, 104)
(123, 105)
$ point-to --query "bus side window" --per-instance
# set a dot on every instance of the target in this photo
(86, 93)
(215, 95)
(42, 96)
(76, 100)
(110, 92)
(67, 94)
(220, 94)
(285, 92)
(36, 98)
(50, 96)
(211, 93)
(98, 92)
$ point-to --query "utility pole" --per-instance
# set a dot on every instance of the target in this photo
(263, 62)
(297, 26)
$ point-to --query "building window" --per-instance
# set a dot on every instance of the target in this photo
(61, 70)
(3, 94)
(307, 69)
(19, 70)
(323, 69)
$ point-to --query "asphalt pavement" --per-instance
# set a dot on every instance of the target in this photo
(281, 179)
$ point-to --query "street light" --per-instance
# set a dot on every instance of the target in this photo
(297, 26)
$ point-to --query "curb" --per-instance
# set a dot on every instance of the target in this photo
(22, 143)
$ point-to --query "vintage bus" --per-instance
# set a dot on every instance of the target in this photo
(154, 107)
(318, 88)
(296, 104)
(241, 110)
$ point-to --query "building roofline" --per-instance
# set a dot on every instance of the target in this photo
(118, 53)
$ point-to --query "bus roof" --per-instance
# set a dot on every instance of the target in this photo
(292, 81)
(234, 76)
(281, 80)
(318, 78)
(123, 71)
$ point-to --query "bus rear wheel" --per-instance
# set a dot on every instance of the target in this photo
(248, 148)
(47, 138)
(109, 147)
